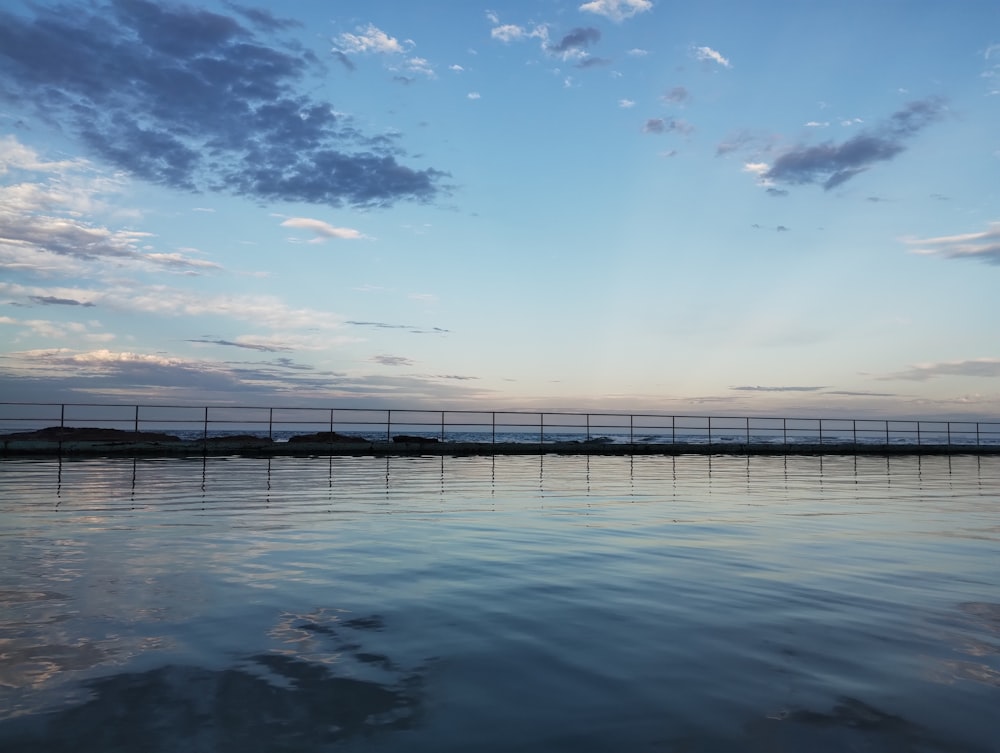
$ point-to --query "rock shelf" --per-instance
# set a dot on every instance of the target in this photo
(100, 442)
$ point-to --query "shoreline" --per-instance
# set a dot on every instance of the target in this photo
(264, 447)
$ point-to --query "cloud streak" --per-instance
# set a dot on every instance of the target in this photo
(983, 246)
(322, 230)
(975, 367)
(831, 164)
(196, 100)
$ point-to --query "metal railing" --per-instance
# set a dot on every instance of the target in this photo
(379, 424)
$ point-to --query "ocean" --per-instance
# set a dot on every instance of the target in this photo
(528, 603)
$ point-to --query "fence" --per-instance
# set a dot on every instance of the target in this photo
(279, 423)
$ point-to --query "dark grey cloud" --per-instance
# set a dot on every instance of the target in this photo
(345, 61)
(577, 39)
(248, 346)
(666, 125)
(772, 191)
(831, 164)
(51, 300)
(392, 360)
(409, 327)
(758, 388)
(679, 95)
(264, 19)
(197, 100)
(593, 63)
(853, 393)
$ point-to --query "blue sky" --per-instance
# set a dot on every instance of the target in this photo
(623, 205)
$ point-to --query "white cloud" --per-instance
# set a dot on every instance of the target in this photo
(421, 66)
(322, 230)
(626, 103)
(638, 52)
(817, 124)
(15, 155)
(983, 246)
(515, 33)
(757, 168)
(372, 39)
(179, 260)
(617, 10)
(456, 67)
(473, 95)
(707, 53)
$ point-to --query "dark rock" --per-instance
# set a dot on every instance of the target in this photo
(414, 439)
(324, 436)
(91, 434)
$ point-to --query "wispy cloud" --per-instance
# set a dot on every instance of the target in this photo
(832, 164)
(617, 10)
(983, 246)
(515, 33)
(408, 327)
(976, 367)
(259, 133)
(678, 95)
(710, 55)
(322, 230)
(758, 388)
(261, 347)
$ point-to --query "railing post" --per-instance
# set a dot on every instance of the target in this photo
(887, 432)
(673, 430)
(918, 433)
(588, 427)
(541, 428)
(331, 424)
(977, 434)
(631, 429)
(62, 418)
(270, 423)
(748, 430)
(784, 433)
(821, 431)
(136, 419)
(388, 426)
(709, 430)
(204, 430)
(947, 427)
(854, 431)
(442, 426)
(494, 427)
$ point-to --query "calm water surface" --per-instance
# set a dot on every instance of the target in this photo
(516, 603)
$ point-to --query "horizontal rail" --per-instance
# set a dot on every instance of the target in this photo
(279, 423)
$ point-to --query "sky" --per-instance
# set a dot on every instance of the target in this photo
(712, 208)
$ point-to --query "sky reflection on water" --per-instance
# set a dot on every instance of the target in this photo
(531, 603)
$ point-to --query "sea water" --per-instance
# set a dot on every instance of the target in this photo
(528, 603)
